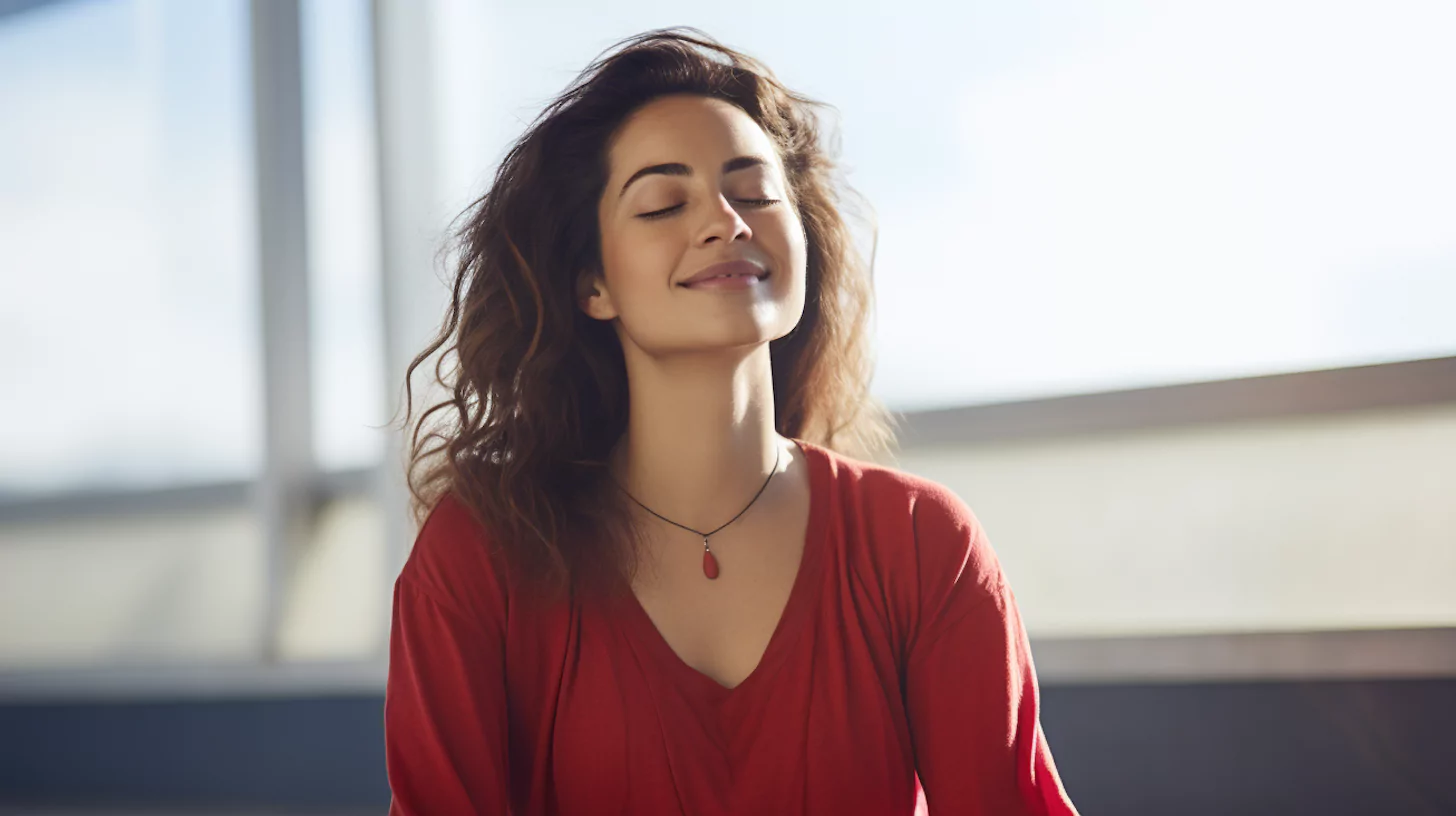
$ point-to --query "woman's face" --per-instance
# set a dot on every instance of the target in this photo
(713, 190)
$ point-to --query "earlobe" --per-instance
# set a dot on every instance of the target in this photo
(594, 300)
(599, 306)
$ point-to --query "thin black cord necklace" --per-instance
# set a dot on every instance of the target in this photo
(710, 564)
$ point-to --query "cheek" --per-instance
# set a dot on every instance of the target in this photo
(795, 244)
(637, 266)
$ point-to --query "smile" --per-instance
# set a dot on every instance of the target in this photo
(736, 281)
(734, 274)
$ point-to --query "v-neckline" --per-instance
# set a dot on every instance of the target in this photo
(801, 594)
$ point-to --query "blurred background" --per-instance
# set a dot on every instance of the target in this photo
(1166, 292)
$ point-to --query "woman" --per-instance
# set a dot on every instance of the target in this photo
(652, 575)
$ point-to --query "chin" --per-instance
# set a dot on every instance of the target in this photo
(765, 324)
(745, 334)
(734, 327)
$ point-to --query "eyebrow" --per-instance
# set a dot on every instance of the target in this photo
(678, 169)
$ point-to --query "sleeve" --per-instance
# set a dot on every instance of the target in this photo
(445, 714)
(971, 688)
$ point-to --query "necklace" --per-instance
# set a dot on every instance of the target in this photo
(710, 564)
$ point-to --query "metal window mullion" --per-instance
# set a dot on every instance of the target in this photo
(409, 212)
(284, 489)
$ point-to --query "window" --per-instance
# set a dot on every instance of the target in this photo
(128, 317)
(1081, 197)
(131, 445)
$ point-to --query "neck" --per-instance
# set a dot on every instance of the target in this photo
(700, 439)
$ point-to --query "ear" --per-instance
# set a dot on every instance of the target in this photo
(592, 296)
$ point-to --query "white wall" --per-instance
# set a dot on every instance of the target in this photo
(1327, 522)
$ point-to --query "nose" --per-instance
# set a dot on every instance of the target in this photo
(724, 223)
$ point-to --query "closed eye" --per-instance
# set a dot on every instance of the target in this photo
(752, 202)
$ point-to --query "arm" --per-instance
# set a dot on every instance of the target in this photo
(971, 689)
(445, 715)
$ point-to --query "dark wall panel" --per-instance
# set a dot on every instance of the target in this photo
(321, 752)
(1327, 747)
(1248, 748)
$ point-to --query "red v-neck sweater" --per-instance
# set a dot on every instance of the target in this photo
(899, 661)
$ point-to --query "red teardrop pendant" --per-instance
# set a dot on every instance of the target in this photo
(710, 565)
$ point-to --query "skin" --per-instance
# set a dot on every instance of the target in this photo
(700, 439)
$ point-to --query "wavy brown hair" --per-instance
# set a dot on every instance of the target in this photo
(536, 390)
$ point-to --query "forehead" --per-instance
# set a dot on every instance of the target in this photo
(686, 128)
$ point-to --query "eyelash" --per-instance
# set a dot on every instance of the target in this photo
(757, 202)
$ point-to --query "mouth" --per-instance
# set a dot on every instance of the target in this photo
(738, 274)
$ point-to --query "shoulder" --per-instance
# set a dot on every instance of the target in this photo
(454, 562)
(891, 496)
(914, 529)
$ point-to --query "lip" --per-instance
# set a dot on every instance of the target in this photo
(739, 267)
